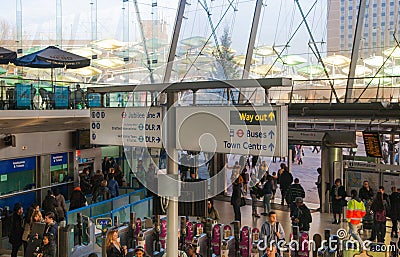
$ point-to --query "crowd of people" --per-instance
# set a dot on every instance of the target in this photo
(364, 204)
(36, 242)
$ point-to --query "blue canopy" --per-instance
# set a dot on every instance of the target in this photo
(52, 57)
(7, 56)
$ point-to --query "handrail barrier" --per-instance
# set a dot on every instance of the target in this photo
(104, 207)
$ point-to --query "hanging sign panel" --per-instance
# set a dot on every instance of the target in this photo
(237, 130)
(130, 126)
(372, 144)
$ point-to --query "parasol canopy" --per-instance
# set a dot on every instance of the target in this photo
(52, 57)
(292, 60)
(7, 56)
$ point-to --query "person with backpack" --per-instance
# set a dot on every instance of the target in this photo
(61, 209)
(272, 231)
(300, 215)
(379, 207)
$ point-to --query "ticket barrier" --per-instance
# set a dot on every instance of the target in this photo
(77, 240)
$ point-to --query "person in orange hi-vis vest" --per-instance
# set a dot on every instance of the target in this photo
(355, 212)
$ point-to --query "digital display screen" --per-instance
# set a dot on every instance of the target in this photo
(103, 222)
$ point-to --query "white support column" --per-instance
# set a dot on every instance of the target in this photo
(172, 168)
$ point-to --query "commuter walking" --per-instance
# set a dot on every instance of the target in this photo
(285, 179)
(212, 213)
(380, 208)
(274, 185)
(300, 215)
(263, 170)
(355, 212)
(77, 199)
(255, 190)
(338, 195)
(319, 187)
(236, 168)
(272, 231)
(245, 176)
(104, 192)
(17, 229)
(394, 211)
(96, 183)
(267, 193)
(84, 182)
(61, 208)
(113, 187)
(236, 197)
(295, 190)
(49, 203)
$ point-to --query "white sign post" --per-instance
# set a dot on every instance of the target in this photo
(237, 130)
(131, 126)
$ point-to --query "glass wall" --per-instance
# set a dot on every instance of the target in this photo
(15, 176)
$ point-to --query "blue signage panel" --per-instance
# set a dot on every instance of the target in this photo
(61, 95)
(59, 159)
(94, 100)
(23, 95)
(16, 165)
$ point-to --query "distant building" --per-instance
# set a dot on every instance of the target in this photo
(381, 19)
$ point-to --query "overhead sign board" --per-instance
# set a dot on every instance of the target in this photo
(306, 136)
(238, 130)
(131, 126)
(372, 144)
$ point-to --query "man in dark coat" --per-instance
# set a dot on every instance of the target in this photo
(366, 194)
(17, 229)
(295, 190)
(77, 199)
(394, 210)
(300, 215)
(285, 180)
(49, 203)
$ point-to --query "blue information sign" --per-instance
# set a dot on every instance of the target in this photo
(16, 165)
(94, 100)
(23, 95)
(59, 159)
(61, 95)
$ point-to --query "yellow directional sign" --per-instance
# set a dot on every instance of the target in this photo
(271, 116)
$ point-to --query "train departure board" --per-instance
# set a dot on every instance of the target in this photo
(372, 144)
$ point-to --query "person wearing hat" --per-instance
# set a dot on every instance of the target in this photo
(139, 251)
(77, 199)
(300, 215)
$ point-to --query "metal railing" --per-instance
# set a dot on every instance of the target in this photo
(102, 209)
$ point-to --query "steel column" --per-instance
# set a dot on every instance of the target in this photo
(354, 51)
(174, 41)
(252, 39)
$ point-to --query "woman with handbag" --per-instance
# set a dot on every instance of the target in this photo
(236, 199)
(338, 194)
